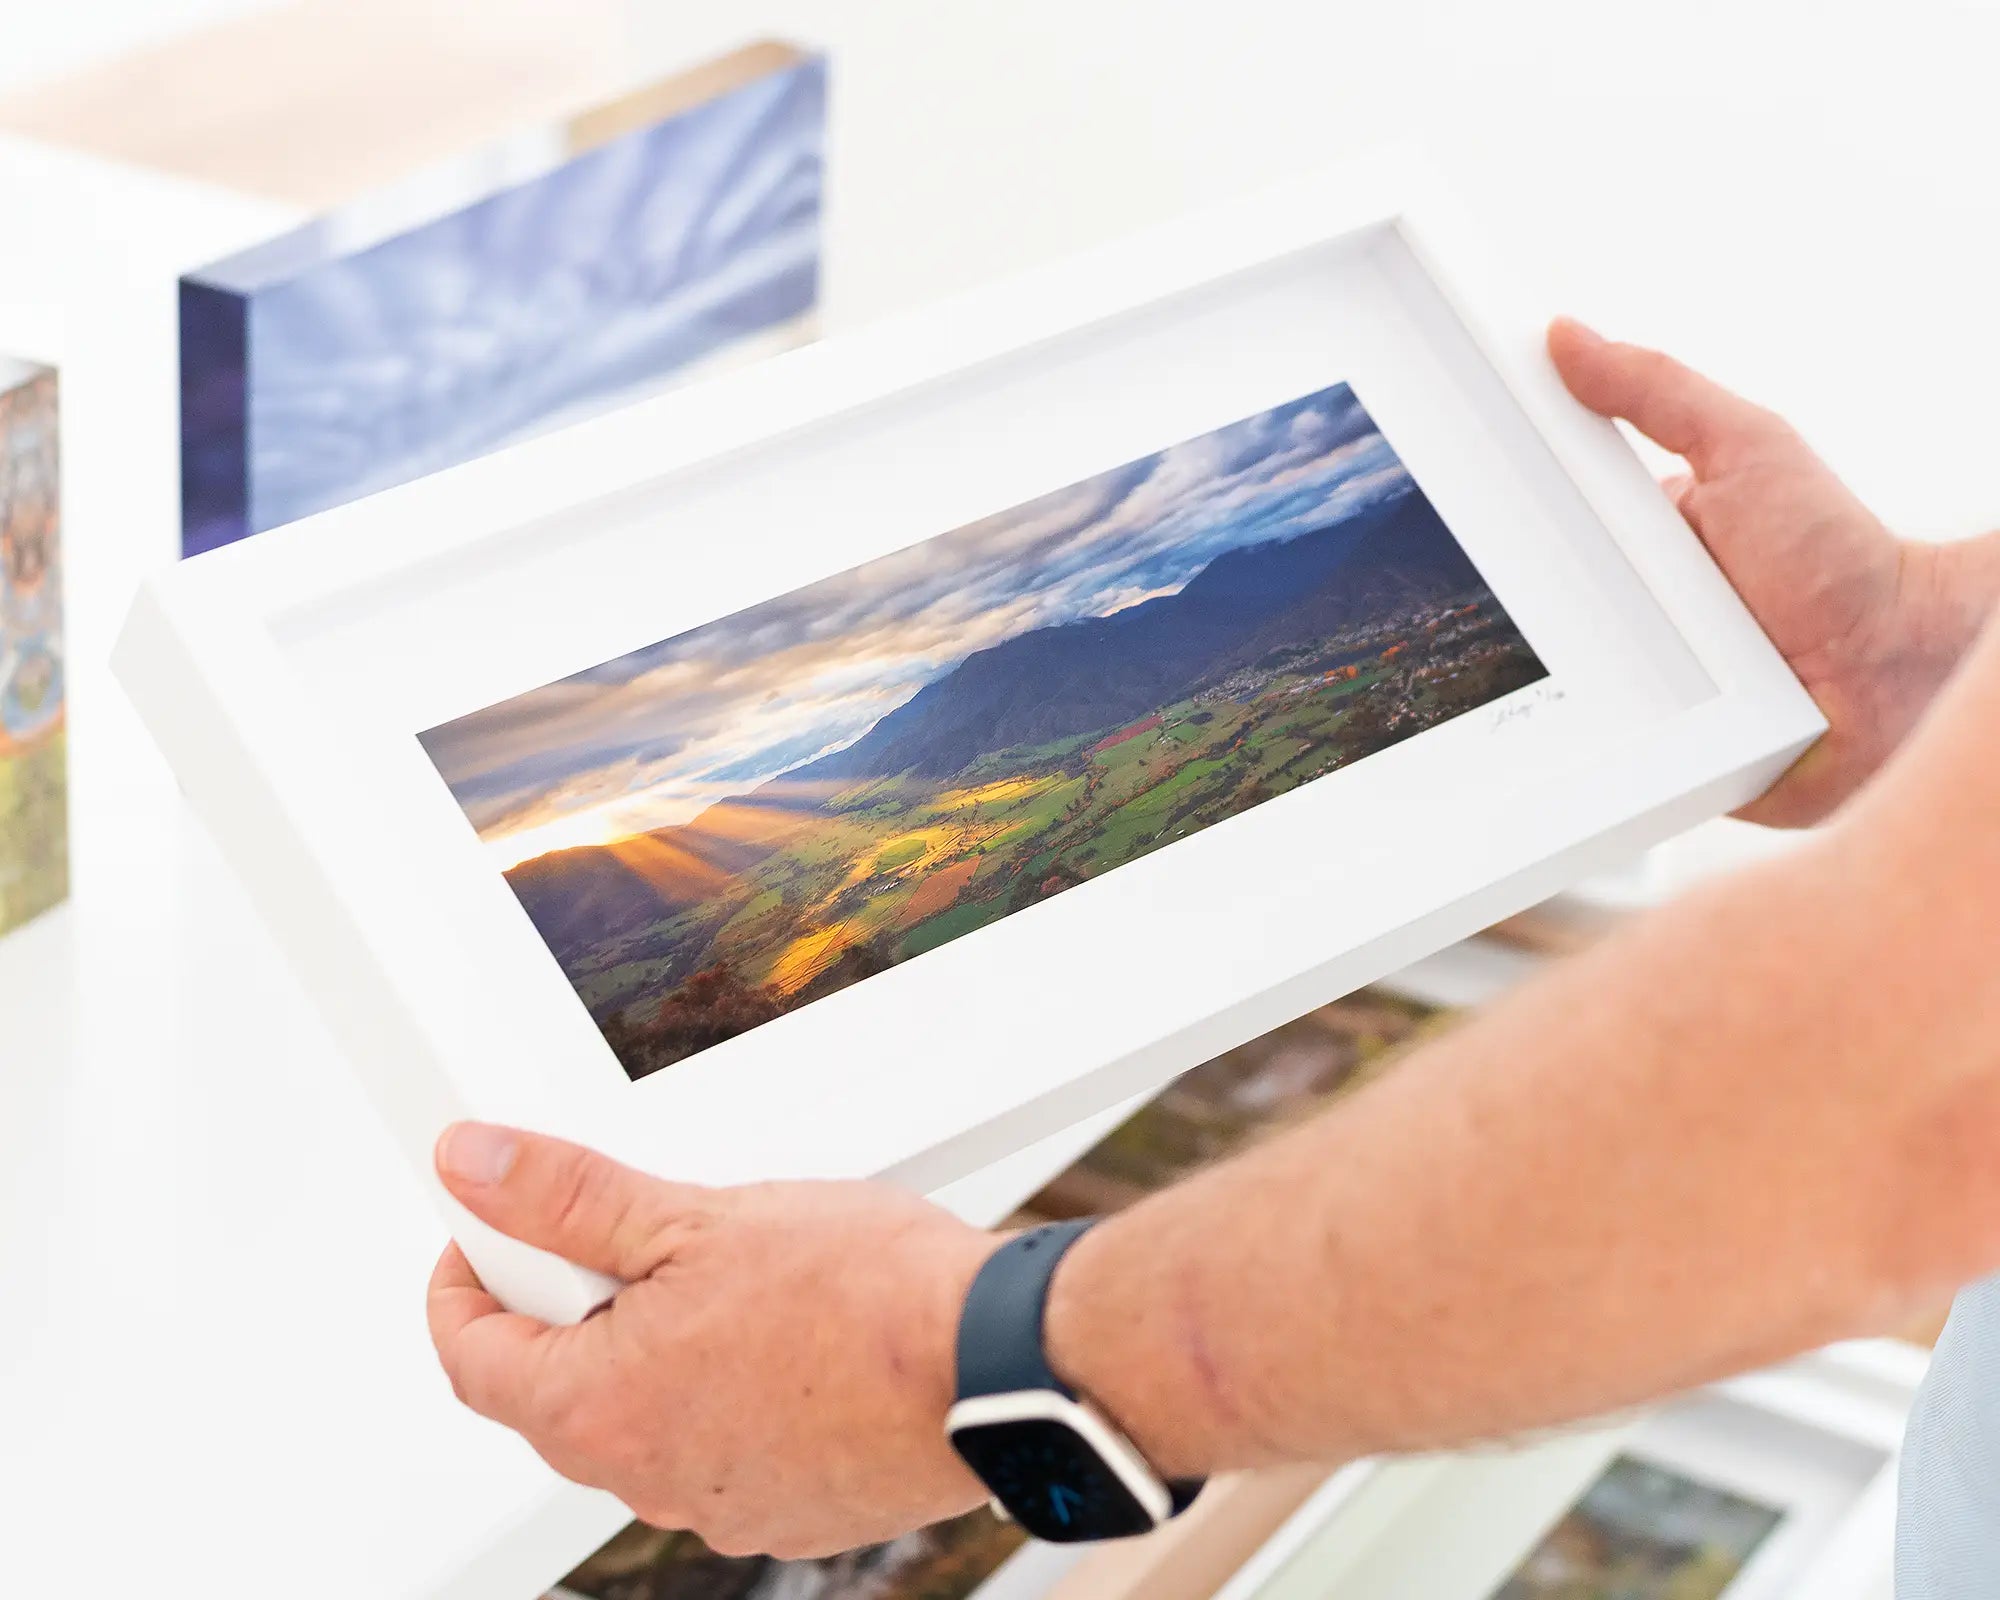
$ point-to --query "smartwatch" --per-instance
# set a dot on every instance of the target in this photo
(1053, 1462)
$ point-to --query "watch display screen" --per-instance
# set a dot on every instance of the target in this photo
(1050, 1481)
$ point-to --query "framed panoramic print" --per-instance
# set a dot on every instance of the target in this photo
(1775, 1485)
(877, 759)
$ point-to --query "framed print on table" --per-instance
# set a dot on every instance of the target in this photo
(1770, 1486)
(872, 761)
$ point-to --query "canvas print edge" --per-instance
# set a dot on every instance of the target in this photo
(34, 776)
(241, 448)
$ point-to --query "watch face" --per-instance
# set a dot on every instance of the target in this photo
(1050, 1481)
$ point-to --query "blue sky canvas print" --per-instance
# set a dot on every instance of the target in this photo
(736, 821)
(313, 373)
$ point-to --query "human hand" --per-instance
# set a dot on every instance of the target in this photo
(1861, 615)
(775, 1373)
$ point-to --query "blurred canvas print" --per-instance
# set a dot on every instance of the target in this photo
(733, 823)
(946, 1562)
(34, 799)
(1644, 1532)
(569, 269)
(1225, 1105)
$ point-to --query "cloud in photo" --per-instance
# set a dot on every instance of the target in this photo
(654, 737)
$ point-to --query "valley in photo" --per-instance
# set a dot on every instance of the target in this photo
(740, 820)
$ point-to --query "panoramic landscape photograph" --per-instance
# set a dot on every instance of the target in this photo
(728, 825)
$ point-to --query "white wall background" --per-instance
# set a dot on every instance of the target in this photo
(44, 40)
(1797, 193)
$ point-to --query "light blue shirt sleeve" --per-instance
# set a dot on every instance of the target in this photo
(1948, 1529)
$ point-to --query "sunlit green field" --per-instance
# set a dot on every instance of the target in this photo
(892, 868)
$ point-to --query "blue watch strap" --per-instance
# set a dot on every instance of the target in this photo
(1000, 1329)
(1000, 1346)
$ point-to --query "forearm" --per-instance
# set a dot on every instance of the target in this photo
(1671, 1161)
(1760, 1120)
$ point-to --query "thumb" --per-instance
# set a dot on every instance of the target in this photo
(567, 1200)
(1674, 406)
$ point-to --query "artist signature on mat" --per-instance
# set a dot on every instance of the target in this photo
(1524, 705)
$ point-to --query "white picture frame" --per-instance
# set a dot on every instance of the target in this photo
(286, 681)
(1814, 1440)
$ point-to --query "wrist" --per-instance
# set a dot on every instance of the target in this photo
(1117, 1330)
(1943, 597)
(1952, 592)
(930, 1368)
(1878, 680)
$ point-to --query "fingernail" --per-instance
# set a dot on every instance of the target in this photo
(475, 1153)
(1581, 330)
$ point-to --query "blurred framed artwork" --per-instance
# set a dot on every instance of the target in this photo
(875, 760)
(34, 784)
(952, 1561)
(1780, 1483)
